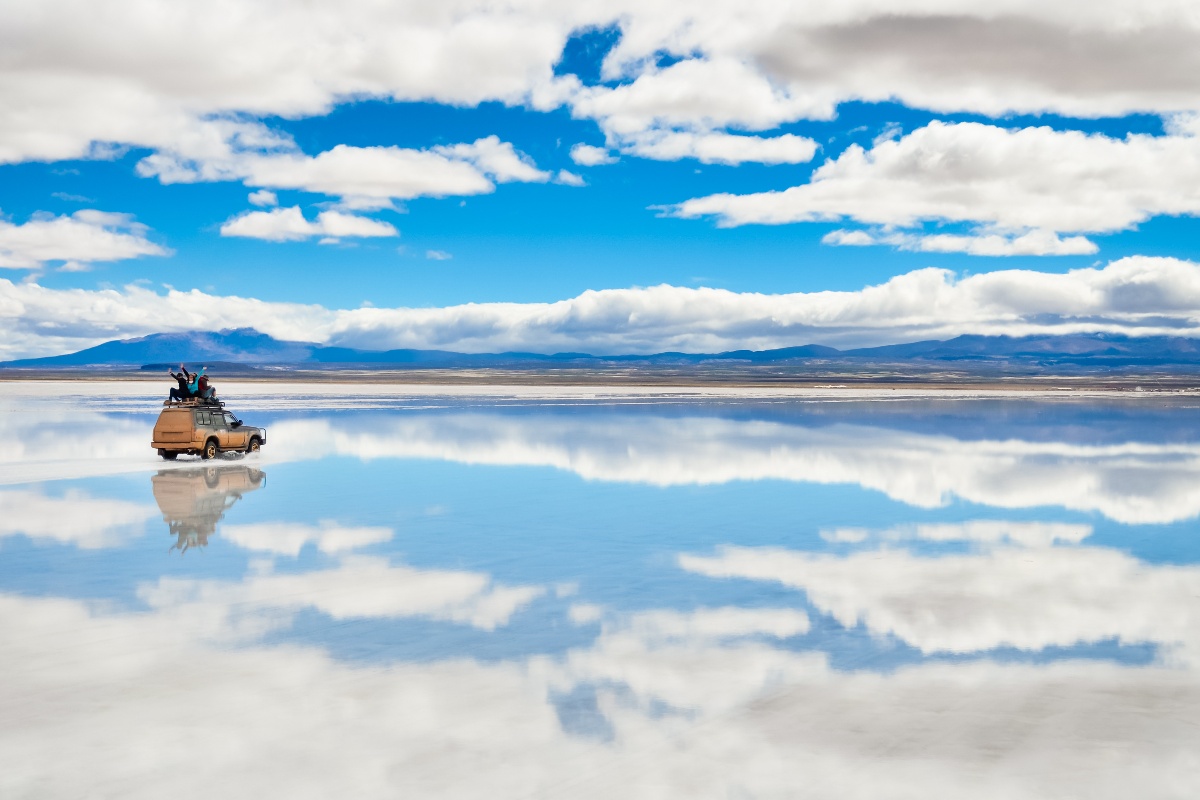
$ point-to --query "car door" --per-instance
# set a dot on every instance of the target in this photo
(231, 438)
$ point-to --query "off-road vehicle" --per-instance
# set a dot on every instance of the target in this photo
(204, 429)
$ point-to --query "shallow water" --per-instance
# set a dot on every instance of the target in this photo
(511, 594)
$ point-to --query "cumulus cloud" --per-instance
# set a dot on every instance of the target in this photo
(289, 225)
(587, 155)
(721, 148)
(695, 94)
(568, 178)
(1026, 183)
(1135, 296)
(167, 76)
(952, 56)
(194, 88)
(438, 255)
(367, 177)
(182, 83)
(263, 197)
(1033, 243)
(83, 238)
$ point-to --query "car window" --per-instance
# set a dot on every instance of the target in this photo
(203, 418)
(228, 419)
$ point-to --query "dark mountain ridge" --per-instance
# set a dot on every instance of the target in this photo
(247, 347)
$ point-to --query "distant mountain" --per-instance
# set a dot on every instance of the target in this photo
(247, 347)
(1095, 348)
(240, 345)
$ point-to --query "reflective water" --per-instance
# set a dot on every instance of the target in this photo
(426, 594)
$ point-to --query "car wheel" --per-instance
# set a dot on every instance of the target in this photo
(210, 449)
(253, 446)
(168, 455)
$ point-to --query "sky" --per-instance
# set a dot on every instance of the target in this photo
(604, 177)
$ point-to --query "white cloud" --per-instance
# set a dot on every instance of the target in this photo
(167, 77)
(189, 83)
(568, 178)
(695, 93)
(289, 225)
(1135, 296)
(438, 255)
(495, 158)
(365, 177)
(721, 148)
(193, 87)
(263, 197)
(1027, 181)
(1099, 60)
(586, 155)
(85, 237)
(1033, 243)
(285, 538)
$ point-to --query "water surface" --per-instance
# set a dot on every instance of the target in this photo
(491, 594)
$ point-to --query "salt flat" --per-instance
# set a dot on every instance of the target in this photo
(600, 592)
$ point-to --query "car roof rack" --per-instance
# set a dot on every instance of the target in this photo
(194, 402)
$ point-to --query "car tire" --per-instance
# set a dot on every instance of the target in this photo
(253, 446)
(210, 450)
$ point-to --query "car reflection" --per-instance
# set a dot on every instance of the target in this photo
(193, 501)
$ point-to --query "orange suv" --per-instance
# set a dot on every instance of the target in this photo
(203, 429)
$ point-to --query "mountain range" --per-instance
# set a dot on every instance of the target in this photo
(247, 347)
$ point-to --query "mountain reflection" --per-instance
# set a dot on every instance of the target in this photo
(193, 501)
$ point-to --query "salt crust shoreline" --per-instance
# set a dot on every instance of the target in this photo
(238, 389)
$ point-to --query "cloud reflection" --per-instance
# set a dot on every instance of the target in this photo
(1006, 596)
(1132, 482)
(74, 517)
(284, 538)
(144, 707)
(359, 587)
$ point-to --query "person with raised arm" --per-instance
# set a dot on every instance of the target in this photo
(203, 390)
(183, 378)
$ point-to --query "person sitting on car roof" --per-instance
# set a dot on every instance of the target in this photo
(183, 377)
(203, 390)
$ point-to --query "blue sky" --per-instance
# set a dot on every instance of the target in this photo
(836, 176)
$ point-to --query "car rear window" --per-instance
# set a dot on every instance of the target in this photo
(203, 418)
